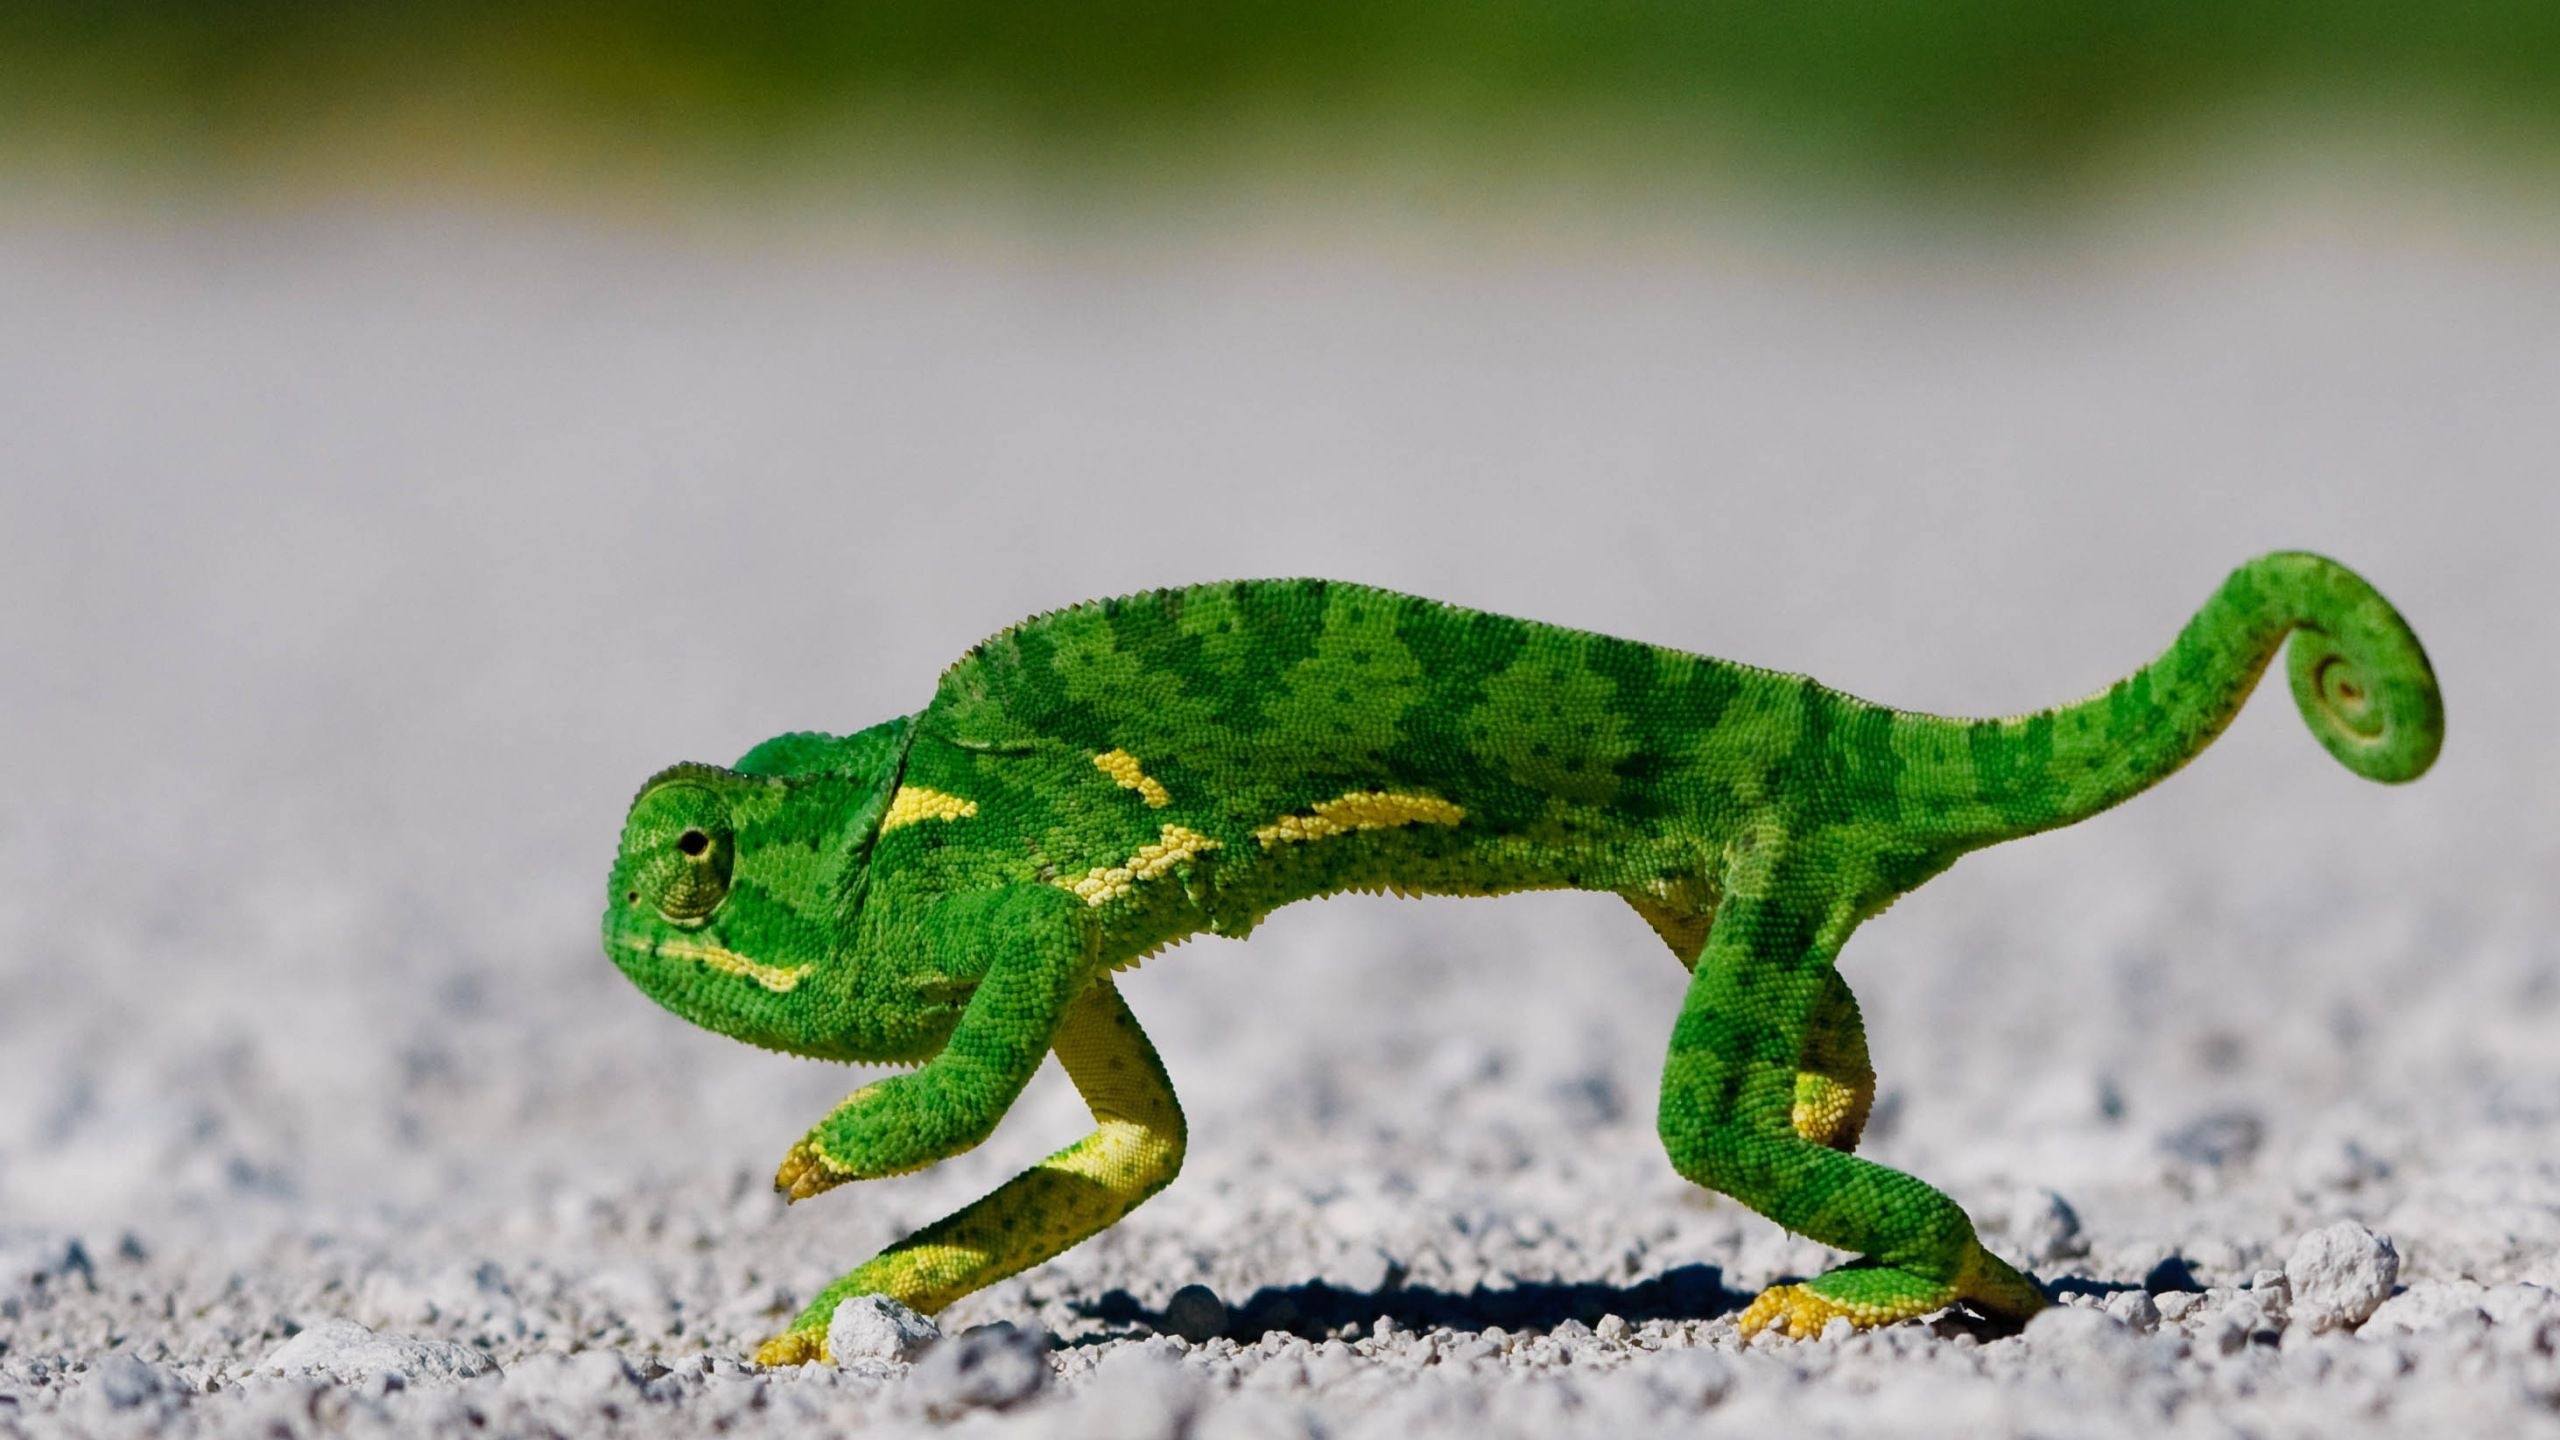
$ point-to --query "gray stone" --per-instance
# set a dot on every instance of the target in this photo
(2174, 1305)
(2135, 1309)
(2340, 1274)
(874, 1329)
(345, 1350)
(1196, 1314)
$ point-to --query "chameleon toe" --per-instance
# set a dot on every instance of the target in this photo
(806, 1171)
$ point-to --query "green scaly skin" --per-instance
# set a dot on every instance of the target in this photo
(955, 888)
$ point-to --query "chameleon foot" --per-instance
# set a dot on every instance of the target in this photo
(1799, 1311)
(1870, 1295)
(794, 1347)
(1998, 1289)
(806, 1171)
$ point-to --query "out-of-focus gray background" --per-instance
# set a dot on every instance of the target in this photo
(368, 542)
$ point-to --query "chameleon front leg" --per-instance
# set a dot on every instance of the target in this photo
(1134, 1151)
(1731, 1119)
(1032, 955)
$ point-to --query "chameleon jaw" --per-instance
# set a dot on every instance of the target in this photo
(780, 979)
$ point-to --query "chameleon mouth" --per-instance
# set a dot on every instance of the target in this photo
(780, 979)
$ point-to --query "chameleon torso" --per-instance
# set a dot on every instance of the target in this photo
(955, 887)
(1186, 761)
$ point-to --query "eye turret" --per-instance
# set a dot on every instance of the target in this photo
(699, 880)
(681, 848)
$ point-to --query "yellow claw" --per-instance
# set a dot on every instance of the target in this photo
(806, 1171)
(795, 1347)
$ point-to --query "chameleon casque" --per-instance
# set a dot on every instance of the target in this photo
(953, 889)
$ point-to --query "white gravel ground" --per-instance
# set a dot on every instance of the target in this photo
(361, 564)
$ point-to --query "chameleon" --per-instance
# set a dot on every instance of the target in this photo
(953, 890)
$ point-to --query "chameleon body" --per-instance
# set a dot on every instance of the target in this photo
(954, 888)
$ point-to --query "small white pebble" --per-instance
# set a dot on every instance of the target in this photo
(875, 1328)
(2134, 1309)
(349, 1351)
(2339, 1275)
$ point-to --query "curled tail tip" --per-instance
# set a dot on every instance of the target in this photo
(2360, 677)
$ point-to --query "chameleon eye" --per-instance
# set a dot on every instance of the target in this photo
(696, 884)
(682, 850)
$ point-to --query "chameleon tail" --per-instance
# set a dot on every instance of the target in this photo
(2358, 674)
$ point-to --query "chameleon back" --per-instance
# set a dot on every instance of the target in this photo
(1328, 736)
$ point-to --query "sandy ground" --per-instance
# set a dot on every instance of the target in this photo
(361, 564)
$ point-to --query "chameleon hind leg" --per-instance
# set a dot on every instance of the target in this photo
(1764, 1011)
(1134, 1151)
(1835, 1082)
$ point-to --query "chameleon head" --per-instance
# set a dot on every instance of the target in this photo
(735, 899)
(724, 902)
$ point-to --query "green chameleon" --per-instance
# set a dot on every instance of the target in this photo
(956, 887)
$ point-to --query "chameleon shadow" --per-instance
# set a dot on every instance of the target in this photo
(1315, 1309)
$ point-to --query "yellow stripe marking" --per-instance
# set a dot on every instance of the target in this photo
(1124, 770)
(1359, 810)
(1104, 883)
(915, 802)
(780, 979)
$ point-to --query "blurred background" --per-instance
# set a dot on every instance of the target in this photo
(420, 423)
(1972, 99)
